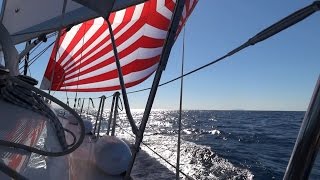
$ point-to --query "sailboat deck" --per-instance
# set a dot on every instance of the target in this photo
(25, 126)
(18, 125)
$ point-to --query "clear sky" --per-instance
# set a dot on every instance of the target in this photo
(277, 74)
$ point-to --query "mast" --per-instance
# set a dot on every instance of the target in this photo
(26, 59)
(307, 144)
(163, 61)
(10, 53)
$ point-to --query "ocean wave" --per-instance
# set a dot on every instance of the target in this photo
(197, 161)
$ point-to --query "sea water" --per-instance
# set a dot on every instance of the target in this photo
(224, 144)
(215, 144)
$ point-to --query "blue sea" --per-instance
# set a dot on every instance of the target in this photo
(220, 144)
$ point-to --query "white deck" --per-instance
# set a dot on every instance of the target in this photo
(18, 125)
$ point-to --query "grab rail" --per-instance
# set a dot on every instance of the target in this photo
(96, 131)
(113, 113)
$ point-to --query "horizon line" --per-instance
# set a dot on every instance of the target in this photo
(162, 109)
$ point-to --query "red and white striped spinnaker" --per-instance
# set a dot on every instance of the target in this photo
(85, 59)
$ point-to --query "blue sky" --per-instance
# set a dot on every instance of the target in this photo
(277, 74)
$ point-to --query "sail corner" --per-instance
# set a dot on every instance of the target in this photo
(45, 84)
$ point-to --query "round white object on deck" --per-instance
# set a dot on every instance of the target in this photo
(112, 155)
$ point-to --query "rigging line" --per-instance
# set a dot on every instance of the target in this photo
(34, 49)
(38, 45)
(34, 60)
(58, 38)
(87, 113)
(47, 37)
(58, 102)
(36, 57)
(159, 155)
(33, 57)
(133, 125)
(87, 97)
(281, 25)
(180, 107)
(29, 71)
(63, 33)
(76, 95)
(121, 109)
(65, 89)
(62, 76)
(84, 34)
(67, 96)
(26, 59)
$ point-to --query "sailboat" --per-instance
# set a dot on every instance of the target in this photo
(133, 33)
(101, 46)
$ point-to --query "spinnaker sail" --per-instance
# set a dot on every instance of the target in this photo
(85, 60)
(26, 20)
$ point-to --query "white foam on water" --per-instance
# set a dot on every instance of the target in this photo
(215, 131)
(197, 161)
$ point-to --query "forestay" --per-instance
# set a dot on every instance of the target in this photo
(85, 59)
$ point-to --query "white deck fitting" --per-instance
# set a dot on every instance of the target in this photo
(81, 161)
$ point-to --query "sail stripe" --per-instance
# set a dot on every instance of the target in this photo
(106, 88)
(129, 78)
(89, 30)
(122, 42)
(98, 46)
(126, 69)
(118, 17)
(90, 45)
(104, 67)
(51, 62)
(148, 41)
(98, 28)
(67, 40)
(125, 60)
(107, 44)
(155, 34)
(163, 10)
(106, 41)
(85, 61)
(80, 34)
(106, 47)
